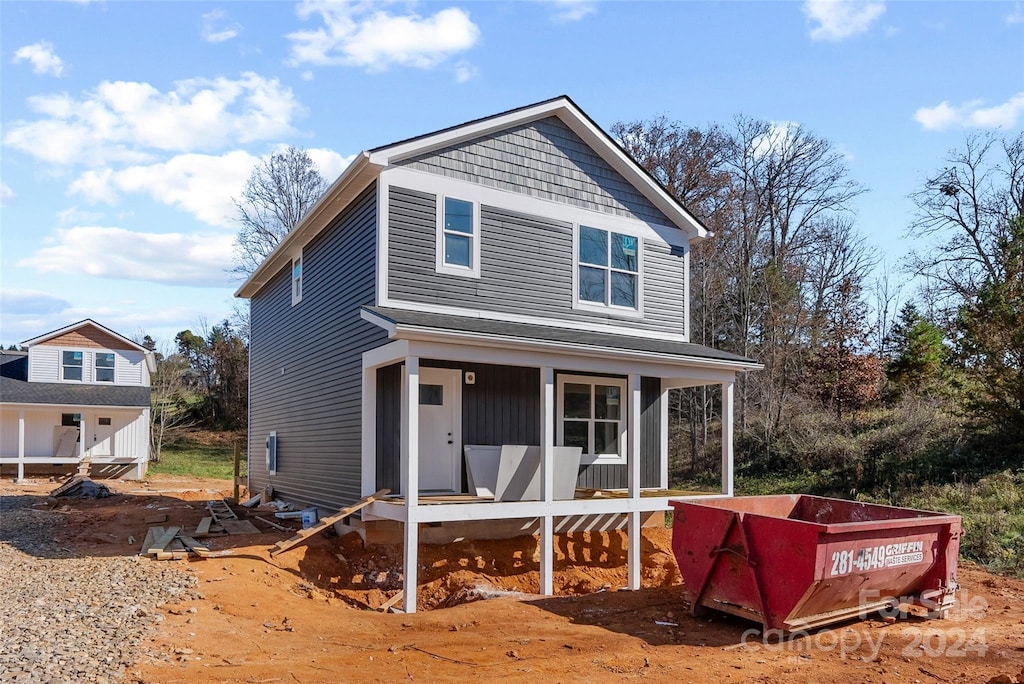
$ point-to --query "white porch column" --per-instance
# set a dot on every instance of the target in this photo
(727, 435)
(633, 464)
(663, 450)
(411, 484)
(83, 436)
(21, 445)
(547, 443)
(368, 469)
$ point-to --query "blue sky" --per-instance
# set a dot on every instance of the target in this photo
(127, 127)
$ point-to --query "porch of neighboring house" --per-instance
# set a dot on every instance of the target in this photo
(110, 441)
(506, 396)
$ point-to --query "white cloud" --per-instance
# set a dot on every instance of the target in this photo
(1017, 15)
(355, 34)
(571, 10)
(166, 258)
(200, 184)
(42, 58)
(330, 163)
(6, 195)
(971, 114)
(31, 302)
(837, 20)
(72, 215)
(217, 29)
(126, 120)
(779, 136)
(464, 71)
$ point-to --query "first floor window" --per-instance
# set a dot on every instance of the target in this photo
(609, 268)
(104, 367)
(297, 279)
(72, 420)
(591, 416)
(72, 365)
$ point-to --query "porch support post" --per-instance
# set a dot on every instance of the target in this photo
(411, 485)
(368, 469)
(727, 435)
(547, 443)
(21, 445)
(633, 463)
(83, 425)
(663, 437)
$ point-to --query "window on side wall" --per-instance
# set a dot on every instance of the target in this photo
(296, 279)
(71, 365)
(458, 238)
(104, 367)
(592, 415)
(608, 269)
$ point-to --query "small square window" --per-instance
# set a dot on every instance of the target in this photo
(431, 395)
(103, 421)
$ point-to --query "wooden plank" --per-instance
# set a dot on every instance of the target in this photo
(240, 527)
(148, 541)
(204, 525)
(392, 601)
(273, 524)
(193, 545)
(175, 545)
(154, 519)
(329, 521)
(163, 540)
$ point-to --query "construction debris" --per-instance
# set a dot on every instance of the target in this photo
(81, 487)
(329, 521)
(171, 543)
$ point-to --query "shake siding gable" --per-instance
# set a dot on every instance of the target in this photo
(544, 159)
(305, 364)
(526, 266)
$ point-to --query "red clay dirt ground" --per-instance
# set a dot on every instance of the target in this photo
(307, 615)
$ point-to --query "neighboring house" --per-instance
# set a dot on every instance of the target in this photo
(514, 280)
(78, 394)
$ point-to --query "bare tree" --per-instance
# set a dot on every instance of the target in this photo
(964, 213)
(169, 406)
(278, 194)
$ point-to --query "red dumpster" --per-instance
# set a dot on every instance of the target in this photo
(796, 561)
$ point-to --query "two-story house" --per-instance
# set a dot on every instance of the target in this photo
(458, 301)
(79, 394)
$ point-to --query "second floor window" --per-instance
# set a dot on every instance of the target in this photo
(104, 367)
(297, 279)
(458, 247)
(609, 268)
(71, 365)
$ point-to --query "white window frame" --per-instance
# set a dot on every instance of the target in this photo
(297, 282)
(608, 307)
(592, 380)
(473, 271)
(63, 365)
(96, 368)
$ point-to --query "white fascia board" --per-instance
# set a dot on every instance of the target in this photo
(379, 321)
(352, 181)
(572, 117)
(81, 324)
(74, 408)
(513, 343)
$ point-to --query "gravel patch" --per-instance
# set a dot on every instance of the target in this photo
(65, 617)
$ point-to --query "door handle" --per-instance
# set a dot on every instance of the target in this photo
(449, 441)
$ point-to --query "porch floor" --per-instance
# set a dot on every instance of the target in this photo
(581, 495)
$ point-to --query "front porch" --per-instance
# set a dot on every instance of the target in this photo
(637, 384)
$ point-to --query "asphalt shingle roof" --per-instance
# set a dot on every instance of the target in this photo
(571, 337)
(16, 389)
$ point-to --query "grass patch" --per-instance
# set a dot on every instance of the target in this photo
(188, 458)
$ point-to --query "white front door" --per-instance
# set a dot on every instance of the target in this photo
(440, 403)
(103, 437)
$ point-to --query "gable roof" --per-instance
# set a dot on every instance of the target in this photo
(81, 324)
(365, 168)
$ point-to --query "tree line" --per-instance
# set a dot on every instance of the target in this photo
(862, 372)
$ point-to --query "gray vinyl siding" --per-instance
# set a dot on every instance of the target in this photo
(526, 267)
(305, 364)
(503, 407)
(543, 159)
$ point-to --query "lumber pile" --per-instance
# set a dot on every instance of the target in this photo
(171, 543)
